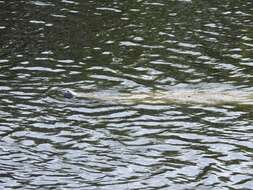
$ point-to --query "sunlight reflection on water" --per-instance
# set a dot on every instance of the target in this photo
(50, 142)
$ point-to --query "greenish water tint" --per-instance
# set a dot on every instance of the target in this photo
(124, 47)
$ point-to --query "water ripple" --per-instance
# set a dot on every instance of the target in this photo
(108, 49)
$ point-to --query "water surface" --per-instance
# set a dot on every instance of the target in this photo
(48, 142)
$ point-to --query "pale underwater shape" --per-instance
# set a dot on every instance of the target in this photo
(176, 96)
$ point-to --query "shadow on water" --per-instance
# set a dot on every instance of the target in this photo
(111, 48)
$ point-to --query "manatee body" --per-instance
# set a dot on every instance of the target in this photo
(176, 96)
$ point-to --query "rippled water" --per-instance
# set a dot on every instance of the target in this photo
(48, 142)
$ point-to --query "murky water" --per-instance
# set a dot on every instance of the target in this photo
(133, 47)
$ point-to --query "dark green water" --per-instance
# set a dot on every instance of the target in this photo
(48, 142)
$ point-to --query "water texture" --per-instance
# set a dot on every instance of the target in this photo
(132, 47)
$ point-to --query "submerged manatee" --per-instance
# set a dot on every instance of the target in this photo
(176, 96)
